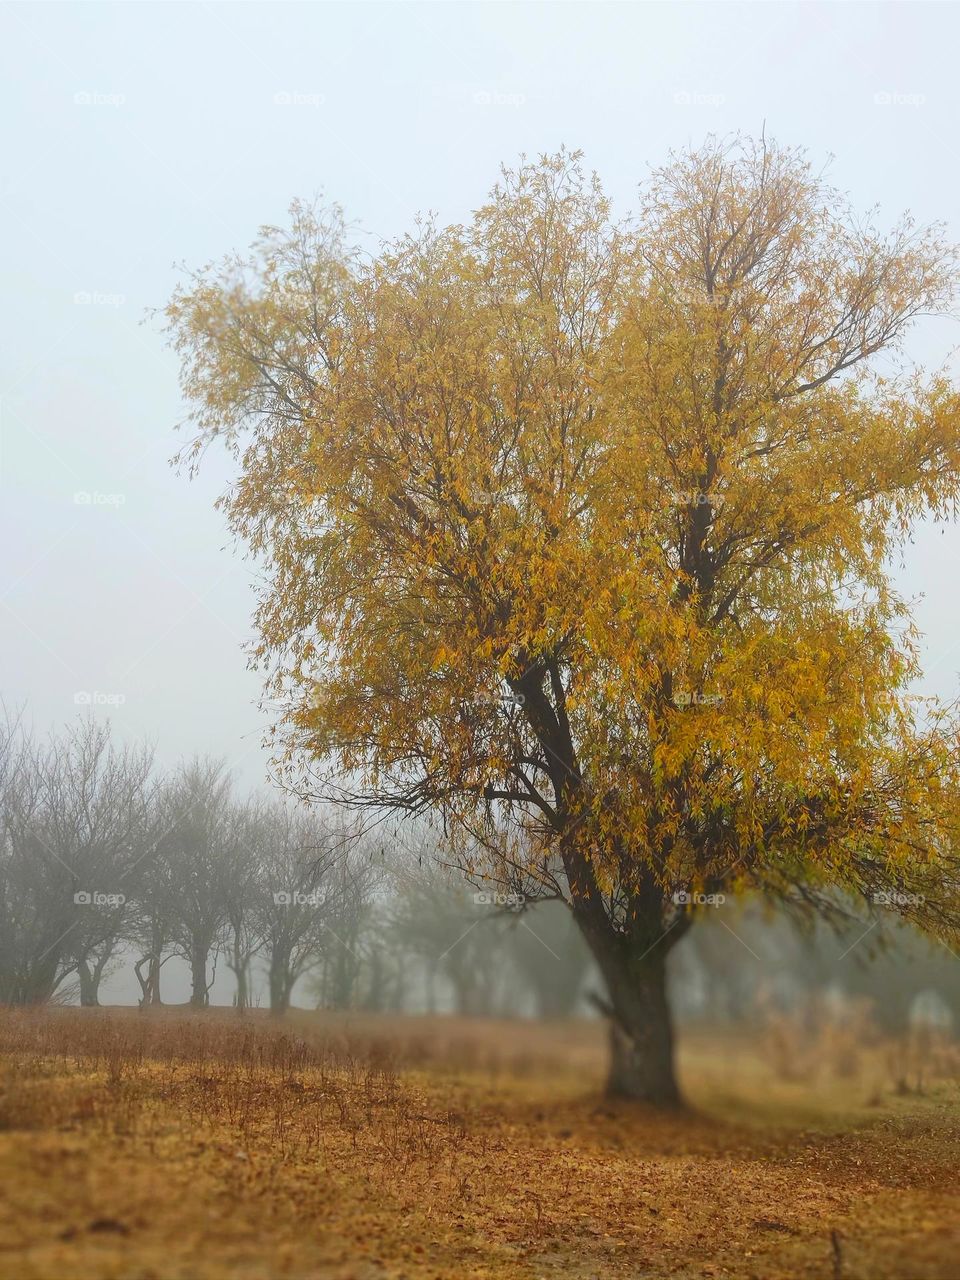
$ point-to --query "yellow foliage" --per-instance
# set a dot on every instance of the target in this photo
(588, 523)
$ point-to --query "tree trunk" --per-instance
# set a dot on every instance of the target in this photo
(243, 997)
(89, 985)
(153, 981)
(641, 1036)
(156, 961)
(554, 999)
(199, 997)
(150, 986)
(281, 985)
(375, 990)
(240, 968)
(398, 992)
(641, 1029)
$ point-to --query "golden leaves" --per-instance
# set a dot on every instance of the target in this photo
(542, 487)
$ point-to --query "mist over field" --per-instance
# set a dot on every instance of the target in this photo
(479, 737)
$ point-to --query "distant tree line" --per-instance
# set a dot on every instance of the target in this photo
(105, 860)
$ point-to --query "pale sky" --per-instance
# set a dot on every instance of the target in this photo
(141, 135)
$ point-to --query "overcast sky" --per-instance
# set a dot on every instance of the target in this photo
(142, 135)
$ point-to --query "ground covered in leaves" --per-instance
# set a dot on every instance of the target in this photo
(193, 1147)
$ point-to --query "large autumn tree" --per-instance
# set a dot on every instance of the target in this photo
(579, 532)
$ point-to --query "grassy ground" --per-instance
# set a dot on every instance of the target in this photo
(202, 1146)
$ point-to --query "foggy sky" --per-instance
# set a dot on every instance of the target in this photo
(142, 135)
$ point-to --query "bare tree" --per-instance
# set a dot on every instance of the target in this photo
(244, 851)
(99, 806)
(456, 931)
(74, 825)
(150, 924)
(300, 849)
(34, 906)
(550, 957)
(197, 800)
(351, 953)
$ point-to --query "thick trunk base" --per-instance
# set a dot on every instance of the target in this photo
(89, 986)
(642, 1065)
(199, 987)
(641, 1072)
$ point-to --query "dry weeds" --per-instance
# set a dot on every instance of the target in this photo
(176, 1146)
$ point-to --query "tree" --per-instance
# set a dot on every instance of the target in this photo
(36, 910)
(244, 853)
(196, 804)
(583, 527)
(348, 928)
(74, 817)
(151, 922)
(97, 821)
(434, 919)
(550, 958)
(299, 850)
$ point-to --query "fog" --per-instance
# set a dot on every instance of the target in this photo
(141, 136)
(637, 950)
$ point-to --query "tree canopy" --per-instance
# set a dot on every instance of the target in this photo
(587, 525)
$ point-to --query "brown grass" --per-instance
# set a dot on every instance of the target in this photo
(199, 1146)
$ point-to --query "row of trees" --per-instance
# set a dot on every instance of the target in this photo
(105, 862)
(103, 859)
(103, 855)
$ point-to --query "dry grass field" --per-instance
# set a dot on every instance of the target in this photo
(176, 1146)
